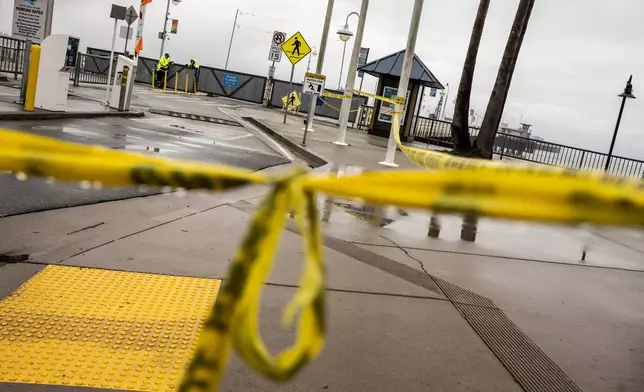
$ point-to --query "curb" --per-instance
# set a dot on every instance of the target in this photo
(196, 117)
(30, 116)
(315, 160)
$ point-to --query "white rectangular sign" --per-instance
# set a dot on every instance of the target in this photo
(275, 54)
(126, 32)
(29, 19)
(314, 84)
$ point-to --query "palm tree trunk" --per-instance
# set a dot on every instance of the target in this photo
(460, 128)
(492, 119)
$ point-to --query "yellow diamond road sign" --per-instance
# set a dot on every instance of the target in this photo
(292, 101)
(296, 48)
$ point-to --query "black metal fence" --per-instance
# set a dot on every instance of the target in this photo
(437, 132)
(11, 55)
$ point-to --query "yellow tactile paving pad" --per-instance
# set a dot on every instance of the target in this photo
(102, 329)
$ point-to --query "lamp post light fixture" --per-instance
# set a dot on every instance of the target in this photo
(627, 94)
(164, 35)
(345, 35)
(314, 53)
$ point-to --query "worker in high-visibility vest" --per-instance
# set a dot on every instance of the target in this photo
(162, 70)
(195, 82)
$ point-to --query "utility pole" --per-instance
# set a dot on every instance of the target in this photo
(390, 157)
(351, 76)
(165, 29)
(318, 69)
(49, 19)
(232, 35)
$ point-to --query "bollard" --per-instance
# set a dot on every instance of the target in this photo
(25, 71)
(469, 227)
(153, 72)
(32, 83)
(176, 82)
(434, 227)
(123, 94)
(165, 80)
(186, 82)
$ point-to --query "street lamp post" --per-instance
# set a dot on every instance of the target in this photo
(627, 94)
(351, 75)
(165, 25)
(345, 35)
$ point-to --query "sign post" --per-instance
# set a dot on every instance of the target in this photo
(131, 16)
(31, 19)
(118, 13)
(275, 56)
(314, 86)
(295, 49)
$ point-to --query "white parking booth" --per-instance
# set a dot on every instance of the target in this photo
(57, 60)
(121, 93)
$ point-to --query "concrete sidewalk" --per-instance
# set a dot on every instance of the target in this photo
(388, 329)
(585, 314)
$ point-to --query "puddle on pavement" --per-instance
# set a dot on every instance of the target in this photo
(63, 129)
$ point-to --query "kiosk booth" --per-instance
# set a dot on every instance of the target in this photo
(58, 58)
(388, 70)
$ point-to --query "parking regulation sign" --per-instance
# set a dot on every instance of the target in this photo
(278, 38)
(314, 84)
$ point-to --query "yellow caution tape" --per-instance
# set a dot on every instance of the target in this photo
(481, 187)
(335, 107)
(338, 96)
(394, 100)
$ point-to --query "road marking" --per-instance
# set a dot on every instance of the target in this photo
(102, 329)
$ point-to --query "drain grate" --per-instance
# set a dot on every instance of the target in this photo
(524, 360)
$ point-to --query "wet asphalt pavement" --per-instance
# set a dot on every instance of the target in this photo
(158, 135)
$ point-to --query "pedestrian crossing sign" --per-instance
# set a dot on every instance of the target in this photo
(296, 48)
(292, 101)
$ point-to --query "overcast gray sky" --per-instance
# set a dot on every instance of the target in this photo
(576, 57)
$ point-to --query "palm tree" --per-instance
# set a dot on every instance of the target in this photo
(459, 128)
(492, 119)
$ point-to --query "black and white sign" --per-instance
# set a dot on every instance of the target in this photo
(131, 16)
(314, 84)
(278, 38)
(271, 71)
(29, 19)
(275, 54)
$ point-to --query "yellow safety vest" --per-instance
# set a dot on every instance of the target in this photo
(164, 64)
(193, 65)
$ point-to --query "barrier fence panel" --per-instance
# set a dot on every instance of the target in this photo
(230, 84)
(11, 55)
(438, 133)
(331, 109)
(92, 69)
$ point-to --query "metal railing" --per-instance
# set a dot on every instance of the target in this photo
(11, 55)
(437, 132)
(363, 119)
(92, 69)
